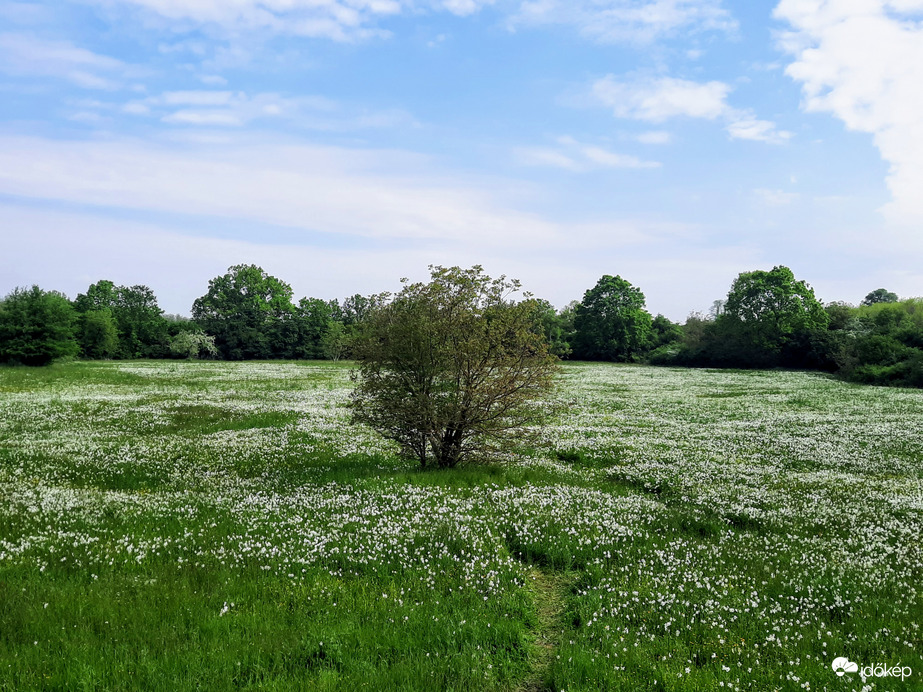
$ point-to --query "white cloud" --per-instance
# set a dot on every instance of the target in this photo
(637, 21)
(236, 109)
(657, 100)
(340, 20)
(351, 220)
(213, 80)
(654, 137)
(67, 251)
(579, 157)
(197, 98)
(317, 189)
(26, 55)
(862, 61)
(743, 125)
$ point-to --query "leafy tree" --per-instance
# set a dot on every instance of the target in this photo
(335, 342)
(142, 327)
(103, 295)
(765, 309)
(192, 345)
(452, 368)
(611, 322)
(142, 331)
(99, 337)
(36, 327)
(310, 321)
(880, 295)
(556, 327)
(666, 341)
(839, 314)
(245, 310)
(348, 315)
(665, 332)
(354, 309)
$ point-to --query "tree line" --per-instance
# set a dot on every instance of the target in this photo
(768, 319)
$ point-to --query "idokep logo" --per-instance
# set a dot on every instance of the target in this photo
(843, 665)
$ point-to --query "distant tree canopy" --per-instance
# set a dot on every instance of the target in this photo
(98, 334)
(766, 310)
(556, 327)
(140, 330)
(247, 311)
(768, 319)
(610, 323)
(880, 295)
(36, 327)
(251, 315)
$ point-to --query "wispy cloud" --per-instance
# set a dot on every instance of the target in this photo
(317, 189)
(579, 157)
(657, 100)
(225, 108)
(863, 63)
(654, 137)
(340, 20)
(27, 55)
(635, 21)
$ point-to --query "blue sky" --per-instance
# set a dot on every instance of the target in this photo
(343, 144)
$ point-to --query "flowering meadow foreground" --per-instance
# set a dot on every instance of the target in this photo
(173, 526)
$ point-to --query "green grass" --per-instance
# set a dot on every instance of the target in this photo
(174, 526)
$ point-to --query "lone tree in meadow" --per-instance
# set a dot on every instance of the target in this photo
(452, 369)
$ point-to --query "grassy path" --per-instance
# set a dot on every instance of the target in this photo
(550, 590)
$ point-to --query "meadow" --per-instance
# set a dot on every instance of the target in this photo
(221, 526)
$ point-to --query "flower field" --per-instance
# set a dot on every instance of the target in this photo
(221, 526)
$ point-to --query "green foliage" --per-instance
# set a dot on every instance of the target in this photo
(99, 336)
(451, 369)
(556, 327)
(312, 321)
(769, 319)
(611, 322)
(335, 342)
(769, 308)
(665, 332)
(839, 314)
(142, 331)
(884, 344)
(36, 327)
(103, 295)
(192, 345)
(880, 295)
(142, 328)
(247, 311)
(354, 309)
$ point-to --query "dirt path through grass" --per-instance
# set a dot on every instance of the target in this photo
(550, 590)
